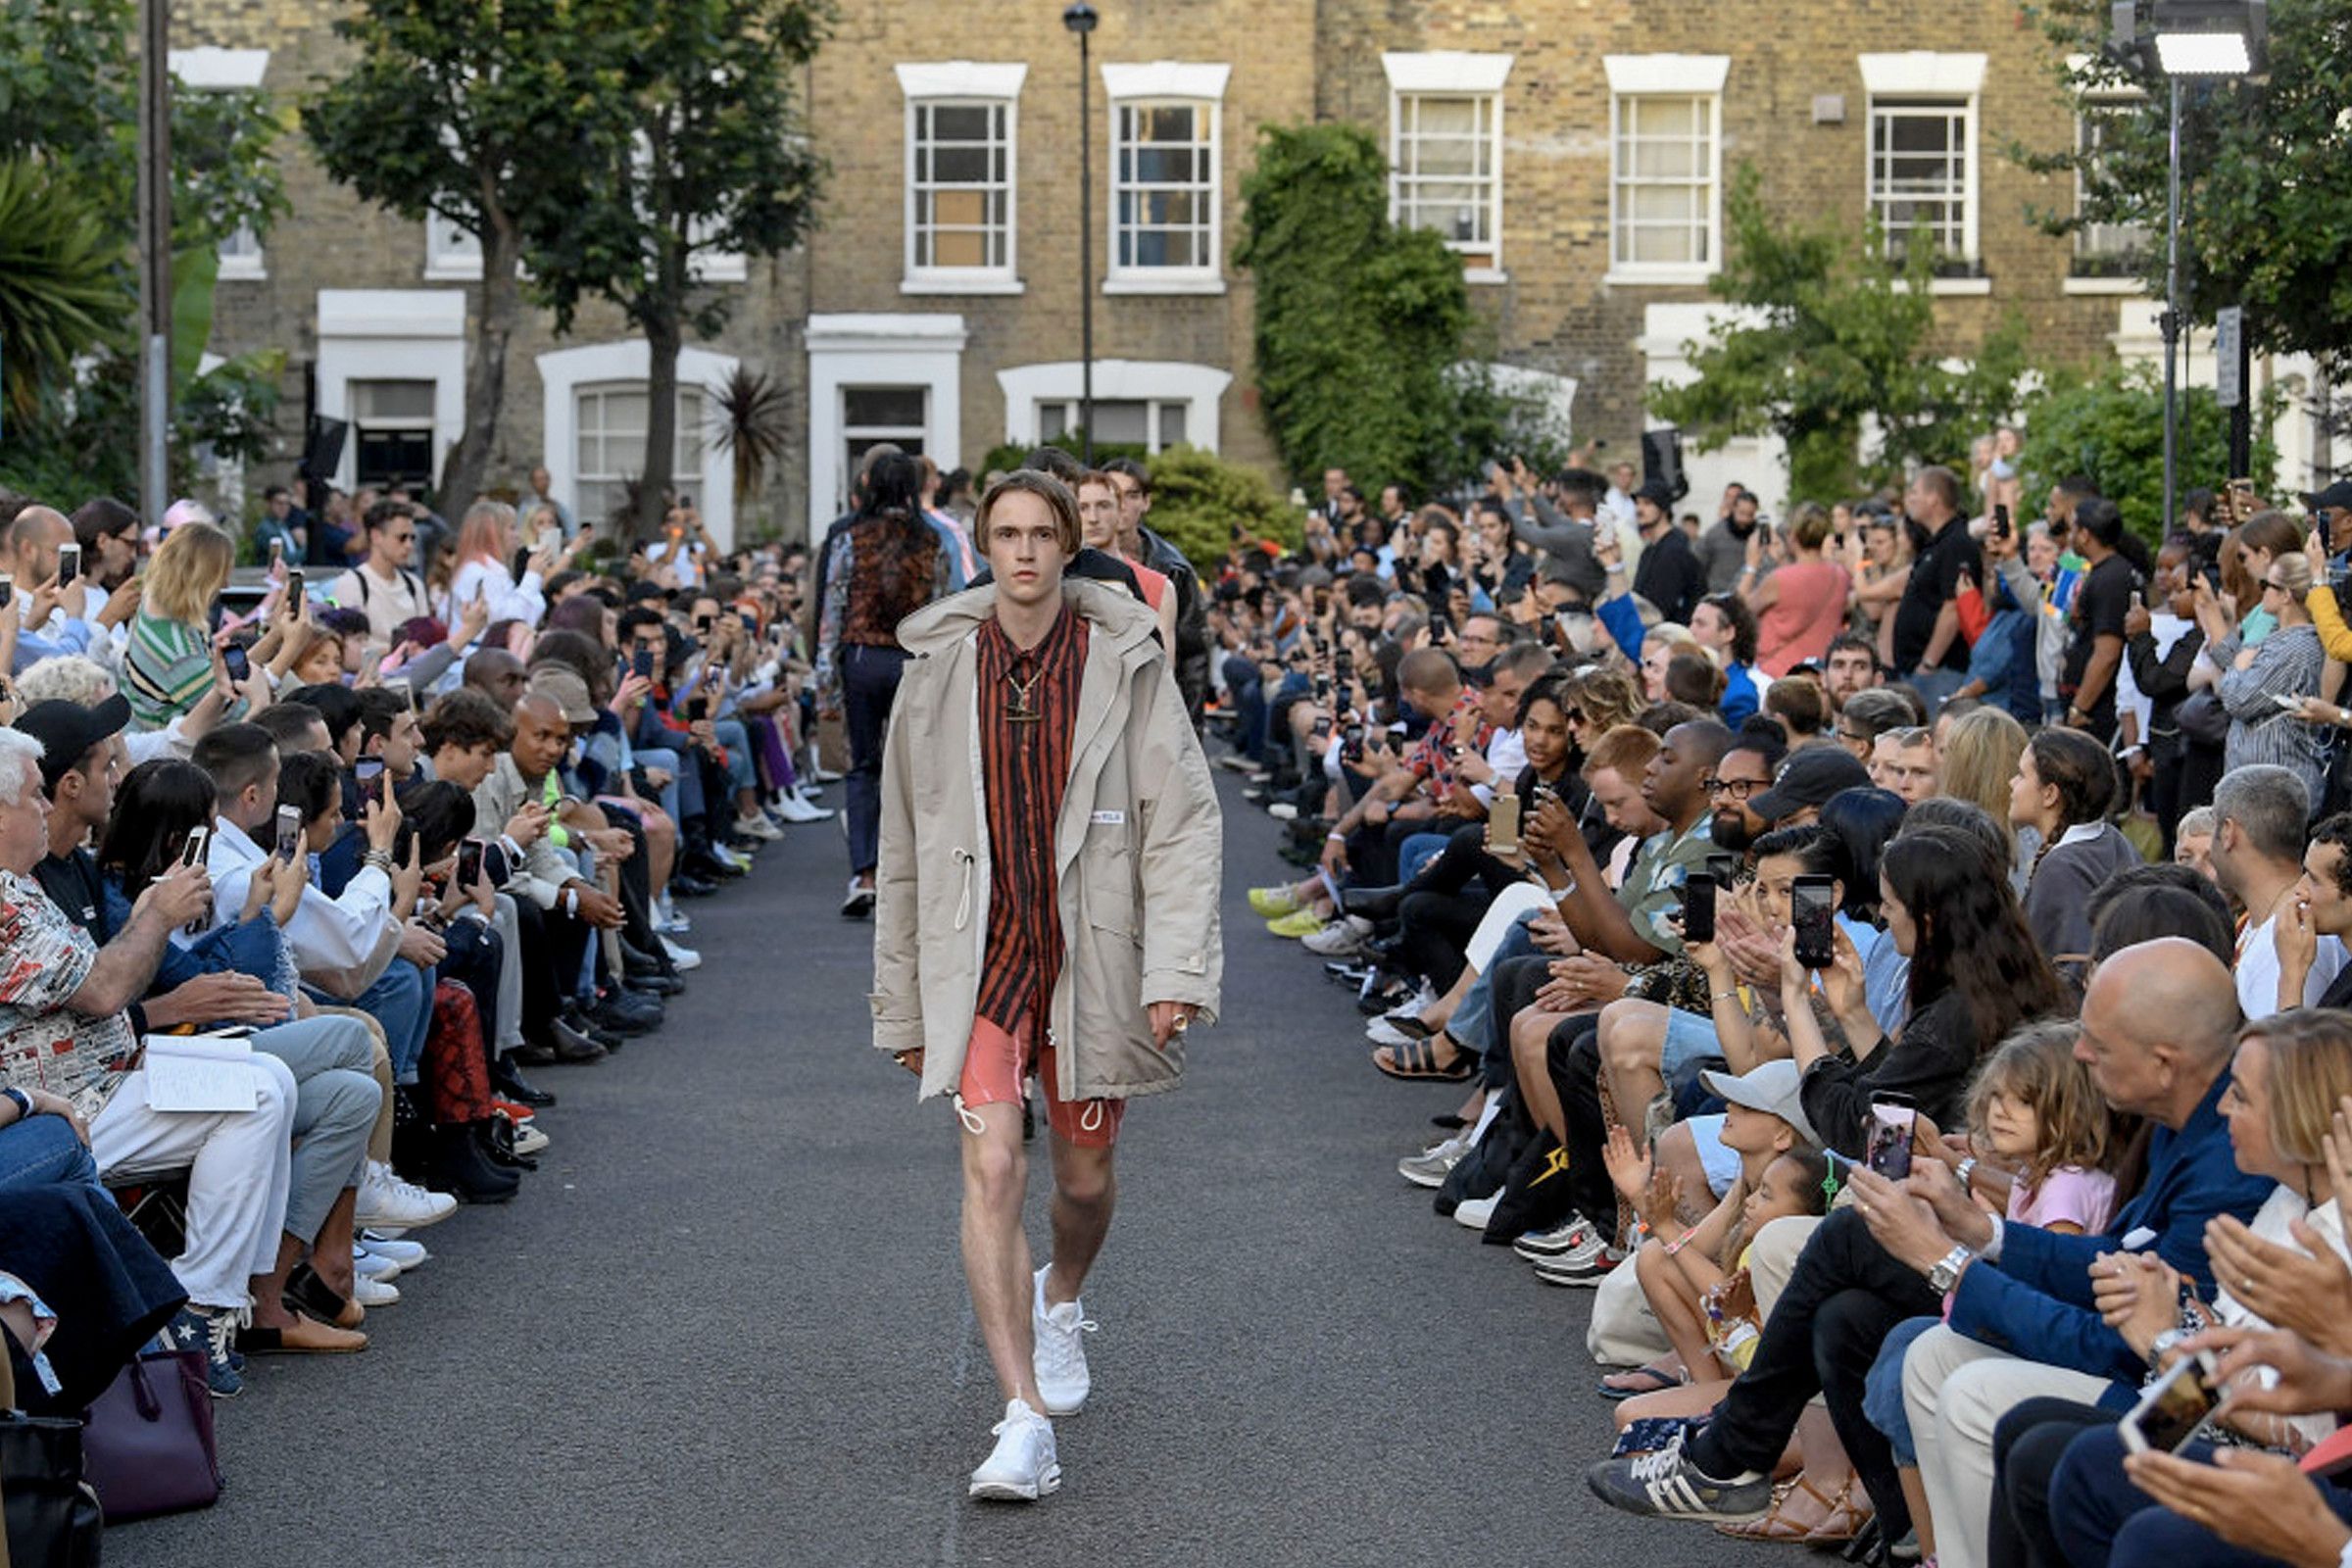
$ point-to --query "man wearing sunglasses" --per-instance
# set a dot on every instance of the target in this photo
(382, 587)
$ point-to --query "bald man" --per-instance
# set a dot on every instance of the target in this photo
(44, 627)
(2158, 1028)
(498, 676)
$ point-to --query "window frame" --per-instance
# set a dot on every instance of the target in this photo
(210, 69)
(1167, 84)
(1452, 73)
(961, 84)
(1955, 84)
(1699, 77)
(2107, 271)
(682, 462)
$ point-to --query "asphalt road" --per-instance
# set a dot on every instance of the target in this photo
(726, 1324)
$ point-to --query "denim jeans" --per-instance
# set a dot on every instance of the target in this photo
(1247, 688)
(1472, 1026)
(40, 1151)
(869, 684)
(740, 773)
(1417, 852)
(668, 794)
(401, 1001)
(2100, 1518)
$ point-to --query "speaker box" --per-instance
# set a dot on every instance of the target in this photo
(1662, 460)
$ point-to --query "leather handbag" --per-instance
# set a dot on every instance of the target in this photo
(148, 1446)
(53, 1517)
(2202, 719)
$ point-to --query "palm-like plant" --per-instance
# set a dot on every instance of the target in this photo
(63, 289)
(753, 423)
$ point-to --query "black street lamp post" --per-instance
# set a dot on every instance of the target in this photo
(1080, 19)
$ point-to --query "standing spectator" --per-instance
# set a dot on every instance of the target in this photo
(1927, 648)
(1727, 628)
(1853, 667)
(382, 587)
(1722, 548)
(543, 495)
(1669, 576)
(881, 569)
(283, 524)
(1620, 497)
(169, 664)
(2286, 663)
(2103, 601)
(2181, 772)
(1801, 608)
(486, 545)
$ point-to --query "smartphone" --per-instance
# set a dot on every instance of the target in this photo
(641, 663)
(1723, 869)
(239, 666)
(1322, 727)
(2293, 704)
(750, 622)
(701, 625)
(368, 770)
(470, 862)
(1322, 688)
(1811, 908)
(1440, 628)
(294, 586)
(1502, 825)
(401, 688)
(198, 846)
(520, 564)
(1886, 1147)
(697, 708)
(2001, 520)
(8, 589)
(289, 833)
(2173, 1407)
(1698, 909)
(278, 555)
(68, 563)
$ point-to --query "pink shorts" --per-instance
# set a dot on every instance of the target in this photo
(994, 1063)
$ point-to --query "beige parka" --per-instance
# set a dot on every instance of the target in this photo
(1139, 854)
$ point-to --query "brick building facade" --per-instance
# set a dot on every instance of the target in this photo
(1574, 152)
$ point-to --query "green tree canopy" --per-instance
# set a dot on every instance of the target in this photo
(1832, 334)
(2110, 430)
(2266, 217)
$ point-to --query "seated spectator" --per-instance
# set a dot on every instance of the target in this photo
(2064, 785)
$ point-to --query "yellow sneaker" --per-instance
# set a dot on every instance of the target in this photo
(1274, 903)
(1297, 923)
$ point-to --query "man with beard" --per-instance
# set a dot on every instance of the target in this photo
(1722, 548)
(1745, 772)
(1852, 667)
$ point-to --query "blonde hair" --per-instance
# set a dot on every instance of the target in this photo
(483, 533)
(2292, 572)
(1811, 527)
(189, 569)
(65, 678)
(2311, 1073)
(1608, 698)
(1980, 759)
(2036, 1064)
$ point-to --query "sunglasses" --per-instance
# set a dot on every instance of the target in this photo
(1574, 715)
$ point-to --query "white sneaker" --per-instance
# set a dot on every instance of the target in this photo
(1283, 812)
(681, 957)
(792, 809)
(1476, 1212)
(529, 1139)
(1059, 1360)
(1381, 1032)
(1022, 1466)
(386, 1200)
(375, 1293)
(372, 1265)
(667, 920)
(408, 1255)
(758, 826)
(824, 775)
(861, 901)
(1340, 938)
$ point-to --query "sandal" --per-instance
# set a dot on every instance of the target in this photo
(1772, 1525)
(1418, 1059)
(1660, 1378)
(1849, 1517)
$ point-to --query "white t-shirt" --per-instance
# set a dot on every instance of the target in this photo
(2258, 969)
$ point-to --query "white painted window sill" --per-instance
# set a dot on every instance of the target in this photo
(1950, 287)
(1484, 276)
(957, 285)
(1658, 276)
(718, 269)
(2103, 285)
(1131, 283)
(242, 269)
(467, 270)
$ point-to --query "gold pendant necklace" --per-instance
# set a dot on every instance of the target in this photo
(1020, 710)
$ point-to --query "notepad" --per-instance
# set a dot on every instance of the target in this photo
(199, 1073)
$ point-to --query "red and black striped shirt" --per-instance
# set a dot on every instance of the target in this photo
(1025, 771)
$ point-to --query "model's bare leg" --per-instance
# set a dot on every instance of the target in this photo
(1085, 1189)
(995, 1250)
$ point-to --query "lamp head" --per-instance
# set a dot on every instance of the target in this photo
(2210, 38)
(1080, 18)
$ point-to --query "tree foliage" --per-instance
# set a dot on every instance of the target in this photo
(1831, 338)
(2111, 429)
(62, 283)
(1198, 500)
(1360, 325)
(2266, 202)
(470, 111)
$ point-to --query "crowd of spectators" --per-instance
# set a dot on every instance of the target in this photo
(1893, 960)
(352, 860)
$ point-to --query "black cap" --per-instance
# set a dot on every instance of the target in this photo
(1656, 491)
(67, 730)
(1809, 778)
(2338, 494)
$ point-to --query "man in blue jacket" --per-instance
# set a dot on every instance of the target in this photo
(2157, 1026)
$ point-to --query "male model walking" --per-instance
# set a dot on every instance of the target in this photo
(1047, 902)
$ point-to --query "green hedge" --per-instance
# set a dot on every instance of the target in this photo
(1197, 498)
(2111, 429)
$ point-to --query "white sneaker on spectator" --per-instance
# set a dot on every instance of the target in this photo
(375, 1293)
(1340, 938)
(1023, 1467)
(758, 826)
(1060, 1335)
(1381, 1032)
(1570, 1233)
(792, 809)
(1283, 812)
(1431, 1166)
(824, 775)
(1477, 1211)
(667, 920)
(408, 1255)
(386, 1200)
(1423, 1000)
(529, 1139)
(682, 958)
(372, 1265)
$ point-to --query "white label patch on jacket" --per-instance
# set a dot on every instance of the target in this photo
(1110, 818)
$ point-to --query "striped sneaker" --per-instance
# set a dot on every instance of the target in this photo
(1666, 1485)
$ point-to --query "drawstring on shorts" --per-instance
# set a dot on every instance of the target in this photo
(970, 1117)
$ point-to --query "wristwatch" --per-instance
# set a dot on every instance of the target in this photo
(21, 1099)
(1968, 1169)
(1944, 1277)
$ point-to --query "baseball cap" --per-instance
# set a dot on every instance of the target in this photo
(565, 689)
(2338, 494)
(67, 730)
(1809, 778)
(1771, 1087)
